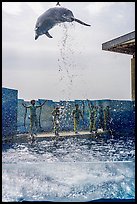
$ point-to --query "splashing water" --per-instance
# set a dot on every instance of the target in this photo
(66, 117)
(69, 170)
(67, 182)
(66, 62)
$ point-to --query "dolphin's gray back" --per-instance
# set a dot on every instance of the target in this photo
(55, 14)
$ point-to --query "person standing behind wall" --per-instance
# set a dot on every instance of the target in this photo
(76, 113)
(107, 118)
(101, 118)
(56, 119)
(33, 116)
(92, 117)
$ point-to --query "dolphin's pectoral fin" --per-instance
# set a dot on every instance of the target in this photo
(48, 35)
(79, 21)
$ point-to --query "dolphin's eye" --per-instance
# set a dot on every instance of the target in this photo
(37, 28)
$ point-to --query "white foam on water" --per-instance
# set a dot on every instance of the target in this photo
(66, 181)
(69, 170)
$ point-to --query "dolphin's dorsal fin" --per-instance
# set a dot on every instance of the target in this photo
(48, 35)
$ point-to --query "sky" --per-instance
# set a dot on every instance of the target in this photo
(72, 64)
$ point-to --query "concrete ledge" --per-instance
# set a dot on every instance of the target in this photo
(51, 136)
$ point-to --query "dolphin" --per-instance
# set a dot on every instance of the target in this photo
(52, 17)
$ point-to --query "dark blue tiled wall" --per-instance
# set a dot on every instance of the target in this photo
(9, 111)
(122, 114)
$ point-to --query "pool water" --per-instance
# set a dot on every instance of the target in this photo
(69, 170)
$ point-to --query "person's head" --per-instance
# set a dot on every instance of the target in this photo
(77, 106)
(57, 107)
(32, 102)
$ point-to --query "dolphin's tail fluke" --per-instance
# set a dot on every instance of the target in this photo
(79, 21)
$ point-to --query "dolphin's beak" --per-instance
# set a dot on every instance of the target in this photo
(79, 21)
(36, 37)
